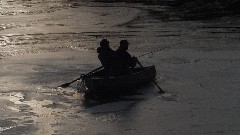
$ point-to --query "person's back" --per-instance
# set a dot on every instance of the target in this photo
(105, 54)
(122, 60)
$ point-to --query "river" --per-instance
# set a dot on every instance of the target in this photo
(44, 44)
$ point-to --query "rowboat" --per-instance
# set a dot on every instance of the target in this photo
(98, 84)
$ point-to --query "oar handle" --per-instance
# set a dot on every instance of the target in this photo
(139, 63)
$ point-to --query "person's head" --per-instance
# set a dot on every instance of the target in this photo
(104, 43)
(124, 44)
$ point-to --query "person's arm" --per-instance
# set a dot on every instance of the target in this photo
(131, 60)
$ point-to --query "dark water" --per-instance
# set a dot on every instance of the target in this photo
(36, 24)
(40, 26)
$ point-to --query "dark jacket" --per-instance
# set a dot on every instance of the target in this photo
(105, 55)
(122, 61)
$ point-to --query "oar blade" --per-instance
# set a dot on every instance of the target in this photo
(64, 85)
(160, 89)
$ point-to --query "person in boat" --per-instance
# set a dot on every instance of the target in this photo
(105, 54)
(122, 60)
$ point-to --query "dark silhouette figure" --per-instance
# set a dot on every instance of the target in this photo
(122, 60)
(105, 54)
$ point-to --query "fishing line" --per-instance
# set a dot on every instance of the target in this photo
(152, 52)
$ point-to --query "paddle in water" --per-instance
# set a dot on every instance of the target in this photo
(160, 89)
(67, 84)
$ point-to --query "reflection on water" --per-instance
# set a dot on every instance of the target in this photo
(36, 25)
(9, 7)
(33, 43)
(29, 109)
(47, 110)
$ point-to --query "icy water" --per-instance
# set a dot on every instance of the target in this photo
(44, 44)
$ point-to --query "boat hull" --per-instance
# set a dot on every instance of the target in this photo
(99, 84)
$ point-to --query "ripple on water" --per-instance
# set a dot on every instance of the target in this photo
(7, 124)
(12, 8)
(18, 113)
(169, 97)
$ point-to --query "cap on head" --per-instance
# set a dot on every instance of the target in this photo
(104, 42)
(124, 44)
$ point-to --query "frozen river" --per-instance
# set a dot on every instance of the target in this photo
(44, 44)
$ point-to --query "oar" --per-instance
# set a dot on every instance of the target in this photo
(160, 89)
(67, 84)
